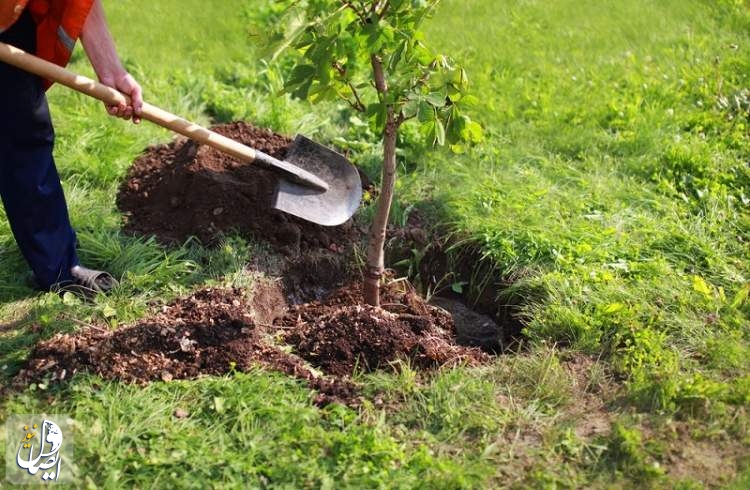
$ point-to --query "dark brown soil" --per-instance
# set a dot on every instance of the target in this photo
(341, 335)
(210, 332)
(215, 332)
(182, 189)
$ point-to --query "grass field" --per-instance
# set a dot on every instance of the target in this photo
(610, 200)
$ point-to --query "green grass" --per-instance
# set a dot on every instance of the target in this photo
(615, 182)
(610, 196)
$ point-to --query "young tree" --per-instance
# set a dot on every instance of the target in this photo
(371, 53)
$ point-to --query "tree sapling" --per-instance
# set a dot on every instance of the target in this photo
(371, 53)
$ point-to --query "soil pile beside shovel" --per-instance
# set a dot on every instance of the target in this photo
(184, 189)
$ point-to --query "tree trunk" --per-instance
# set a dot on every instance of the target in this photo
(376, 240)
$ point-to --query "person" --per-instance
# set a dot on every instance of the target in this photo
(29, 183)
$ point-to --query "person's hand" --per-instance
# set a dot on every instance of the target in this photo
(126, 84)
(100, 48)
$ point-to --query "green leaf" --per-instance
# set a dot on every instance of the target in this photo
(411, 108)
(439, 132)
(614, 307)
(437, 99)
(320, 92)
(701, 286)
(454, 124)
(377, 115)
(108, 312)
(426, 112)
(473, 132)
(469, 100)
(301, 74)
(463, 80)
(219, 404)
(378, 35)
(324, 74)
(396, 56)
(423, 55)
(301, 91)
(70, 299)
(741, 296)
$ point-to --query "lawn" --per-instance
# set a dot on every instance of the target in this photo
(606, 212)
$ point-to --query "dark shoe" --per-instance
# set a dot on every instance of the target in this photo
(95, 281)
(86, 283)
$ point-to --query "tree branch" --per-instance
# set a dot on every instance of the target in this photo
(384, 10)
(403, 118)
(352, 103)
(381, 85)
(359, 106)
(354, 8)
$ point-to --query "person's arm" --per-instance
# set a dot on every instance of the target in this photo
(100, 49)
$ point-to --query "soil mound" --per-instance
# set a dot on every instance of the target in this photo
(340, 335)
(182, 189)
(209, 332)
(215, 332)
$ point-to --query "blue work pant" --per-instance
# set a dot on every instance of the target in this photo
(29, 184)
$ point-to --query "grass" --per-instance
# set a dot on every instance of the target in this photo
(610, 196)
(622, 187)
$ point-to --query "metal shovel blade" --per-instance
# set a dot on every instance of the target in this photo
(331, 207)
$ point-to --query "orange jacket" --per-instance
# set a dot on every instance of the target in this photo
(59, 24)
(10, 12)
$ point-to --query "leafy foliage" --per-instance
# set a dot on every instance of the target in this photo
(337, 44)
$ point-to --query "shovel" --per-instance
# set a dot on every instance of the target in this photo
(315, 184)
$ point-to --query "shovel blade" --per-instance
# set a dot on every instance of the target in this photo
(331, 207)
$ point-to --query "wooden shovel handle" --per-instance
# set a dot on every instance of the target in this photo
(108, 95)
